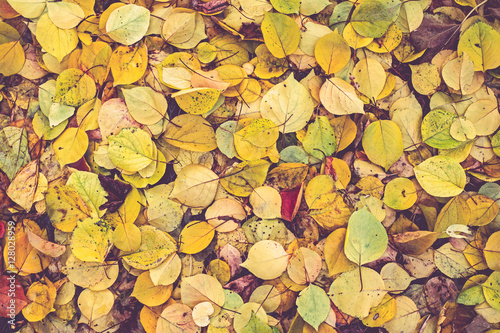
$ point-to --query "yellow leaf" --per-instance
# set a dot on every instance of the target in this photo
(90, 190)
(127, 237)
(167, 272)
(388, 42)
(163, 213)
(266, 202)
(288, 104)
(383, 143)
(180, 26)
(24, 187)
(289, 175)
(381, 313)
(155, 247)
(456, 211)
(371, 77)
(400, 193)
(27, 259)
(128, 63)
(281, 34)
(131, 150)
(91, 240)
(128, 24)
(267, 260)
(353, 39)
(111, 270)
(340, 171)
(484, 115)
(71, 145)
(335, 257)
(197, 100)
(42, 297)
(458, 73)
(242, 179)
(224, 214)
(149, 294)
(28, 8)
(195, 237)
(190, 132)
(483, 210)
(146, 105)
(332, 52)
(325, 203)
(220, 270)
(65, 207)
(95, 304)
(339, 97)
(201, 288)
(267, 295)
(441, 176)
(195, 186)
(482, 43)
(345, 131)
(356, 292)
(87, 115)
(57, 42)
(65, 15)
(406, 318)
(492, 251)
(425, 78)
(12, 58)
(304, 266)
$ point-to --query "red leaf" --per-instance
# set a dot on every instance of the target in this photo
(12, 298)
(290, 202)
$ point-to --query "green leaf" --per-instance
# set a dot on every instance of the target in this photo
(90, 190)
(128, 24)
(491, 290)
(436, 129)
(131, 149)
(28, 8)
(14, 150)
(286, 6)
(372, 18)
(383, 143)
(482, 43)
(366, 238)
(452, 262)
(471, 296)
(313, 305)
(281, 34)
(256, 326)
(320, 138)
(441, 176)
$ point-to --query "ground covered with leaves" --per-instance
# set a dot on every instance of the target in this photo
(250, 166)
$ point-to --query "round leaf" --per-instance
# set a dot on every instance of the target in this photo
(383, 143)
(441, 176)
(266, 259)
(366, 238)
(128, 24)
